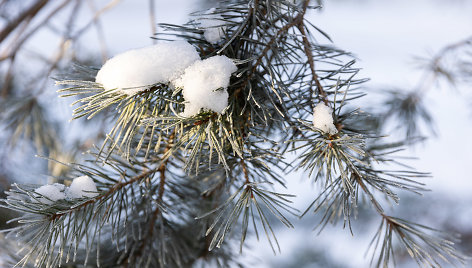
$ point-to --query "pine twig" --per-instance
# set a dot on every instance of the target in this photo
(112, 190)
(160, 194)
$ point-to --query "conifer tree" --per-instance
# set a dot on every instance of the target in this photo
(204, 123)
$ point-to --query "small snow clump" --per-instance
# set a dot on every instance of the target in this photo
(82, 186)
(213, 27)
(323, 119)
(136, 70)
(50, 193)
(204, 85)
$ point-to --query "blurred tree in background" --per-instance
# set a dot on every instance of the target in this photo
(179, 191)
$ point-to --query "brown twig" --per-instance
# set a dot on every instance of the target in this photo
(64, 44)
(112, 190)
(7, 80)
(307, 47)
(28, 13)
(246, 173)
(296, 22)
(19, 44)
(160, 193)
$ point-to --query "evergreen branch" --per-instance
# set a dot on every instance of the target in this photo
(26, 119)
(355, 175)
(308, 53)
(202, 134)
(413, 237)
(131, 111)
(436, 68)
(105, 195)
(67, 225)
(149, 220)
(157, 211)
(409, 109)
(243, 202)
(427, 246)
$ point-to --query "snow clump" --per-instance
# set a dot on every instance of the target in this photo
(136, 70)
(50, 193)
(213, 27)
(204, 85)
(204, 82)
(323, 119)
(82, 186)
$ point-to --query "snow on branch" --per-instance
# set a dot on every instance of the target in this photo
(204, 85)
(138, 69)
(323, 119)
(81, 187)
(213, 26)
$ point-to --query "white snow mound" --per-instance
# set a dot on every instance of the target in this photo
(323, 119)
(136, 70)
(204, 85)
(50, 193)
(82, 186)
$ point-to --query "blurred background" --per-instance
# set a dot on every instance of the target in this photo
(411, 48)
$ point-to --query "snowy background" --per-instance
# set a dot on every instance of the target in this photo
(385, 36)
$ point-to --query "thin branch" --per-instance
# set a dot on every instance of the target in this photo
(162, 170)
(100, 32)
(112, 190)
(244, 167)
(17, 45)
(152, 18)
(96, 16)
(311, 62)
(28, 13)
(429, 78)
(7, 80)
(298, 19)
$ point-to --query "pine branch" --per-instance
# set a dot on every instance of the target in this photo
(25, 118)
(162, 170)
(160, 194)
(65, 224)
(245, 202)
(427, 246)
